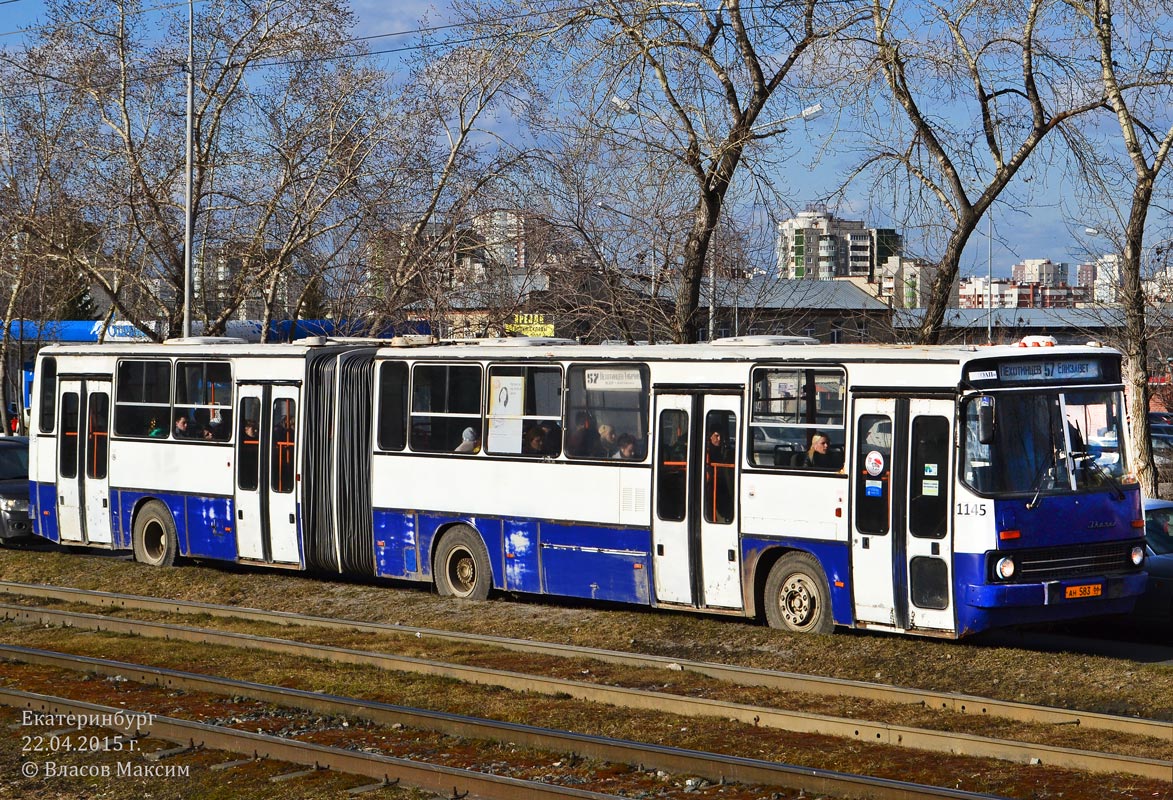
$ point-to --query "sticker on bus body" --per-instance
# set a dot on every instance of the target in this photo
(874, 462)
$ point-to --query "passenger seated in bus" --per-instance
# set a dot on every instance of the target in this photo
(718, 479)
(552, 438)
(283, 429)
(625, 447)
(584, 440)
(816, 456)
(181, 430)
(608, 440)
(219, 427)
(534, 441)
(470, 441)
(251, 431)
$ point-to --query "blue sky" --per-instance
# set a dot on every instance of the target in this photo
(1037, 230)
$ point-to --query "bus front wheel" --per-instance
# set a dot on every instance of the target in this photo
(462, 565)
(797, 597)
(155, 542)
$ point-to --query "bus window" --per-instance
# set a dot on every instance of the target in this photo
(789, 407)
(48, 380)
(672, 467)
(525, 408)
(392, 405)
(97, 435)
(284, 440)
(67, 460)
(874, 461)
(603, 403)
(446, 408)
(249, 444)
(929, 477)
(720, 461)
(142, 400)
(203, 393)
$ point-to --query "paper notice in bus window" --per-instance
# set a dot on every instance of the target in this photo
(930, 489)
(508, 396)
(613, 379)
(504, 435)
(930, 470)
(873, 488)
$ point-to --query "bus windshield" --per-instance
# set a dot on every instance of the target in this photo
(1044, 442)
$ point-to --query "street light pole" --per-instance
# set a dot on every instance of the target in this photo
(187, 221)
(712, 295)
(990, 280)
(625, 106)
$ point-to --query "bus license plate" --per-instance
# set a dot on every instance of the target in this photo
(1086, 590)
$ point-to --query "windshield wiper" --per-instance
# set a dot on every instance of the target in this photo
(1037, 484)
(1090, 463)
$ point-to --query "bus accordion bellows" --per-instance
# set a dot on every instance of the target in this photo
(939, 491)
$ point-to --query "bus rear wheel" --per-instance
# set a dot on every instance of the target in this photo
(155, 542)
(462, 565)
(797, 597)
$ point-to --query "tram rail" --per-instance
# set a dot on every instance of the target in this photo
(793, 721)
(714, 767)
(388, 770)
(737, 675)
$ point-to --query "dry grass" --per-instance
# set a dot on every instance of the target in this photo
(1062, 680)
(1016, 674)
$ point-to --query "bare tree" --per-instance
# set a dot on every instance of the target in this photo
(1136, 78)
(967, 92)
(128, 118)
(37, 222)
(702, 83)
(450, 163)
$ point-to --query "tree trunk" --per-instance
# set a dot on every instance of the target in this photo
(1136, 345)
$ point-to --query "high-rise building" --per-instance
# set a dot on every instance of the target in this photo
(907, 282)
(817, 244)
(1106, 287)
(1042, 271)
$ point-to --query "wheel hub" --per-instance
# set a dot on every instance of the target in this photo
(796, 602)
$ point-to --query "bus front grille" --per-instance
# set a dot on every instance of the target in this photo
(1070, 561)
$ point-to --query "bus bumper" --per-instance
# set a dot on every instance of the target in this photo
(1055, 593)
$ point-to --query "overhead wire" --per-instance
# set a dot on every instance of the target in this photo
(163, 69)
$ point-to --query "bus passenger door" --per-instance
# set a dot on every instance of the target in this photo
(83, 461)
(695, 554)
(96, 482)
(250, 445)
(720, 559)
(283, 476)
(266, 475)
(671, 543)
(873, 543)
(69, 454)
(927, 523)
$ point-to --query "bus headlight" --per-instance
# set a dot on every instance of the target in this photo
(1137, 555)
(1004, 569)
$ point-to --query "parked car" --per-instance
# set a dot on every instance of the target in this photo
(1162, 451)
(1157, 601)
(1161, 418)
(14, 488)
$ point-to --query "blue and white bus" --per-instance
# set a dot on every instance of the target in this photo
(939, 491)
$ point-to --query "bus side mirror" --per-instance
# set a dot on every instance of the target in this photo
(985, 424)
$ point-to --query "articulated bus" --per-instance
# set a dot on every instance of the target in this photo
(939, 491)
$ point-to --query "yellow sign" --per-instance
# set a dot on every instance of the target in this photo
(530, 325)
